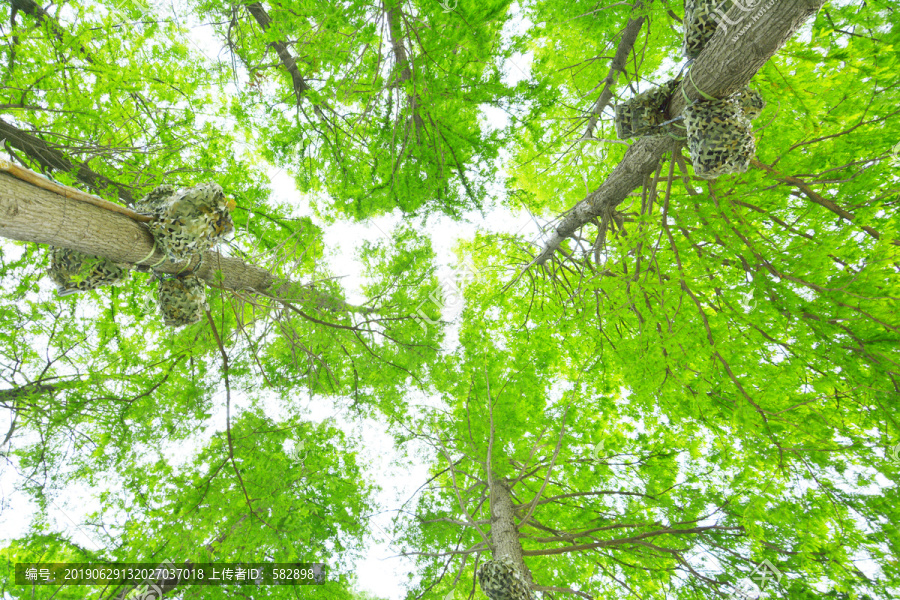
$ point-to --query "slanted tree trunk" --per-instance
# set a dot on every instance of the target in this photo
(726, 65)
(32, 214)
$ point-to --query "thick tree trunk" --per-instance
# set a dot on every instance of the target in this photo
(728, 63)
(504, 533)
(32, 214)
(394, 16)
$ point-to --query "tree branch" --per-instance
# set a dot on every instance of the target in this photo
(300, 86)
(821, 201)
(628, 540)
(51, 159)
(626, 44)
(32, 214)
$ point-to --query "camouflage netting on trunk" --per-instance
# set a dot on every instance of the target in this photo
(751, 102)
(645, 111)
(155, 202)
(182, 300)
(74, 271)
(500, 580)
(700, 22)
(719, 137)
(190, 221)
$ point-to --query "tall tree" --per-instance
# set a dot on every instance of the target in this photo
(548, 454)
(770, 292)
(86, 376)
(377, 105)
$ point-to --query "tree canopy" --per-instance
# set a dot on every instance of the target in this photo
(666, 386)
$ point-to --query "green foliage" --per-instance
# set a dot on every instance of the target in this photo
(706, 381)
(383, 110)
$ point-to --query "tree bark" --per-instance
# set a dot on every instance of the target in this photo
(394, 17)
(504, 533)
(727, 64)
(32, 214)
(37, 12)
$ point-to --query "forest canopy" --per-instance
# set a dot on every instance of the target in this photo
(660, 360)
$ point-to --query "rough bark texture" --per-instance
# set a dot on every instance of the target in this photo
(8, 397)
(69, 192)
(504, 533)
(34, 10)
(32, 214)
(725, 66)
(394, 18)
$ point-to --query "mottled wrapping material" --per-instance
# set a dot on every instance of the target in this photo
(500, 580)
(700, 23)
(644, 112)
(719, 137)
(182, 300)
(74, 271)
(751, 102)
(188, 222)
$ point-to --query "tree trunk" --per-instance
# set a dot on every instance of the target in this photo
(728, 63)
(32, 214)
(504, 533)
(395, 29)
